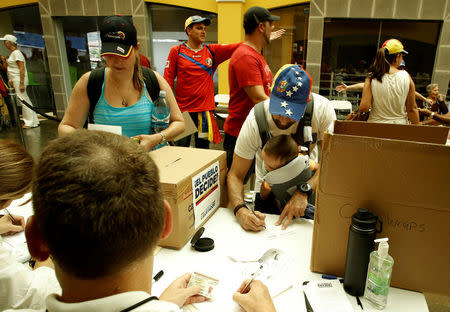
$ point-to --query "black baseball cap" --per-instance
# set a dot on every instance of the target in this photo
(256, 15)
(118, 35)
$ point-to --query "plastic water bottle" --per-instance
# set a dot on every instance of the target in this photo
(160, 115)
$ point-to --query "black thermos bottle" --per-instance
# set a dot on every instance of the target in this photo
(360, 243)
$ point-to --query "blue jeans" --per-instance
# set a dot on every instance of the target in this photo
(268, 206)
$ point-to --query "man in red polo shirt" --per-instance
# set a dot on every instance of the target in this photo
(249, 76)
(193, 63)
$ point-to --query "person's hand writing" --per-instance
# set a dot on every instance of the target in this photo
(341, 88)
(249, 221)
(7, 227)
(149, 141)
(255, 299)
(179, 294)
(277, 34)
(295, 207)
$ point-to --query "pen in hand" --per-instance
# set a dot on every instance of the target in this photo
(252, 209)
(14, 221)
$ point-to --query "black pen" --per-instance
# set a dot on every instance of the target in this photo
(158, 276)
(14, 221)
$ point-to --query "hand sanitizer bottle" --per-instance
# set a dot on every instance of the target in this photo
(379, 275)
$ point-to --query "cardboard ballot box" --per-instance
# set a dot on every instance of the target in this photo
(405, 182)
(193, 182)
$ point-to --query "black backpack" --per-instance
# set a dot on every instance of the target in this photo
(95, 82)
(299, 135)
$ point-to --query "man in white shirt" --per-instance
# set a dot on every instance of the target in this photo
(99, 213)
(283, 113)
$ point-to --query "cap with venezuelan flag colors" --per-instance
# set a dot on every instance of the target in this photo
(195, 20)
(393, 46)
(290, 92)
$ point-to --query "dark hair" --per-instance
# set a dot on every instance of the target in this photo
(97, 202)
(282, 147)
(380, 65)
(16, 168)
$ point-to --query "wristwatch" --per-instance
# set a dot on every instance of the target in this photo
(163, 138)
(305, 188)
(432, 115)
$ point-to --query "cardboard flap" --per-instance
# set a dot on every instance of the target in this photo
(175, 162)
(428, 134)
(375, 168)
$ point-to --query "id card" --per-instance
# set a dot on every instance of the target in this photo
(207, 284)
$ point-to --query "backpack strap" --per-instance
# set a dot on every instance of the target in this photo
(151, 82)
(263, 127)
(94, 90)
(304, 136)
(95, 82)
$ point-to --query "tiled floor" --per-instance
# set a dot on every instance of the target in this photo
(37, 138)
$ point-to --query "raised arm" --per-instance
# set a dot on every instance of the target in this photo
(77, 109)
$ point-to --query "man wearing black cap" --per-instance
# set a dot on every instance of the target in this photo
(249, 75)
(193, 63)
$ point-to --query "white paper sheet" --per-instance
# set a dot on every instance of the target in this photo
(327, 295)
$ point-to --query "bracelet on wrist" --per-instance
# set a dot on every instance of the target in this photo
(238, 207)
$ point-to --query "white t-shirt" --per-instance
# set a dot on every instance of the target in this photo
(249, 142)
(112, 303)
(20, 287)
(13, 68)
(389, 98)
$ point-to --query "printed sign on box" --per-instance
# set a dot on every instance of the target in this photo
(206, 193)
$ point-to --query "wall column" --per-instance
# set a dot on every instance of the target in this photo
(230, 29)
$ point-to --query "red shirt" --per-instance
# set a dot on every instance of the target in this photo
(194, 72)
(247, 68)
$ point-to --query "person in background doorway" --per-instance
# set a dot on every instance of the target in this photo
(18, 79)
(193, 64)
(390, 92)
(436, 100)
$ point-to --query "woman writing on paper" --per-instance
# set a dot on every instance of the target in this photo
(20, 286)
(389, 91)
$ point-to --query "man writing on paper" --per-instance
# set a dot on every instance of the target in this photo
(99, 214)
(291, 109)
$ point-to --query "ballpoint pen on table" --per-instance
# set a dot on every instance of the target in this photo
(158, 276)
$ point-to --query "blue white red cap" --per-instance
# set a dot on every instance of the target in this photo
(290, 92)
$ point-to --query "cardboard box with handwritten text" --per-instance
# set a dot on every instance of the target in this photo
(401, 173)
(193, 182)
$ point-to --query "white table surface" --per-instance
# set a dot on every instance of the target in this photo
(231, 239)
